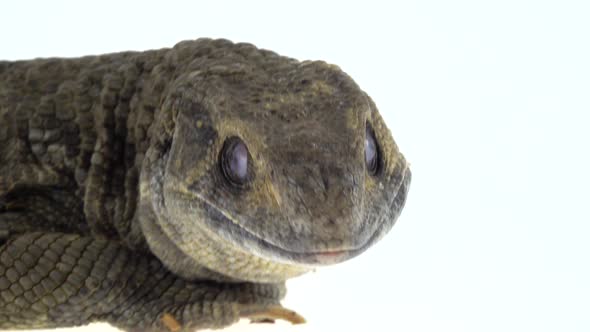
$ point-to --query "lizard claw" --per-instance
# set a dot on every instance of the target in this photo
(271, 313)
(171, 323)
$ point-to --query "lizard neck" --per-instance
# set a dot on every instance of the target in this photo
(83, 125)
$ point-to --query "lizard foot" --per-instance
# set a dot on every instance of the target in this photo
(256, 314)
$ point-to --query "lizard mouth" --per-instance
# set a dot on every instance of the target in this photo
(264, 248)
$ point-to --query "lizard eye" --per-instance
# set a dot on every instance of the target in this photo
(234, 161)
(371, 151)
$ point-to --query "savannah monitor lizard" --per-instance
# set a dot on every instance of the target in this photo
(177, 189)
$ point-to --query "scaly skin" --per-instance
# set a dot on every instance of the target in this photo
(55, 279)
(114, 206)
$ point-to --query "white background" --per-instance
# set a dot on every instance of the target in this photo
(489, 101)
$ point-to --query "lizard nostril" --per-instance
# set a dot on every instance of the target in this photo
(325, 182)
(330, 222)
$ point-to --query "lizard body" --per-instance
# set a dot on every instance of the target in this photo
(182, 184)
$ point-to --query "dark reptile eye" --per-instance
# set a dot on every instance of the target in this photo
(234, 161)
(371, 151)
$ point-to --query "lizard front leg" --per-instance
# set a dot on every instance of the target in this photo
(54, 280)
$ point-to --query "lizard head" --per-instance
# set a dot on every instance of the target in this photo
(268, 167)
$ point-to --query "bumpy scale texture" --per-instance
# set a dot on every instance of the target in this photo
(115, 199)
